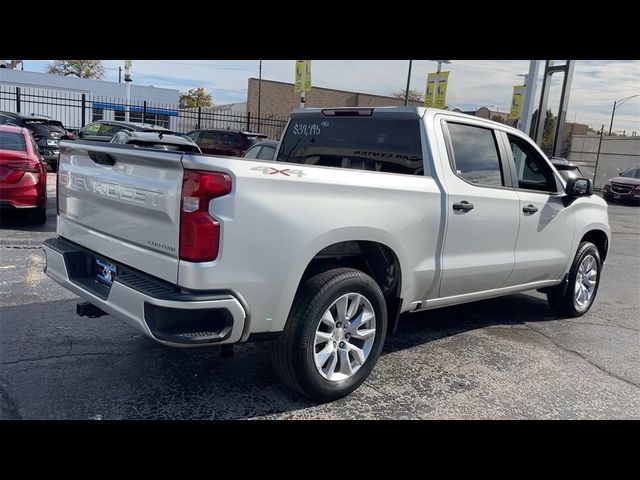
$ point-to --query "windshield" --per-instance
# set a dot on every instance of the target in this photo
(12, 141)
(632, 173)
(377, 144)
(44, 127)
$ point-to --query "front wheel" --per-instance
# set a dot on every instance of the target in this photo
(333, 336)
(576, 297)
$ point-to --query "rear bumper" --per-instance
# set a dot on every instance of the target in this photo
(155, 308)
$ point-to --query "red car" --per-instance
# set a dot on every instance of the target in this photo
(23, 173)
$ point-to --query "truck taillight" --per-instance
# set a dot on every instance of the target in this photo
(199, 232)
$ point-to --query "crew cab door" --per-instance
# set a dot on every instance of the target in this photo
(544, 244)
(482, 210)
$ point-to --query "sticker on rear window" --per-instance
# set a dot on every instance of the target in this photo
(306, 130)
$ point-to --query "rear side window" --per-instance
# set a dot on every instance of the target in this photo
(91, 129)
(369, 143)
(12, 141)
(109, 130)
(475, 155)
(252, 152)
(210, 139)
(267, 153)
(231, 139)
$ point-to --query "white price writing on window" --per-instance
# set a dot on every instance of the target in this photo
(306, 130)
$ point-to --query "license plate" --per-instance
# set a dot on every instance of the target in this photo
(105, 272)
(616, 197)
(52, 142)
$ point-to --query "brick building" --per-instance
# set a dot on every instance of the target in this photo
(279, 99)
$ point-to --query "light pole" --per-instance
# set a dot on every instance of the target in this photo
(440, 62)
(259, 91)
(406, 92)
(616, 104)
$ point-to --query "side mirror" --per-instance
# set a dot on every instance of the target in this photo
(577, 187)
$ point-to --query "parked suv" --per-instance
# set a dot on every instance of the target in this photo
(624, 188)
(46, 131)
(232, 143)
(104, 130)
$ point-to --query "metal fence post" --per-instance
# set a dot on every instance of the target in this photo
(144, 110)
(17, 99)
(84, 109)
(199, 118)
(248, 121)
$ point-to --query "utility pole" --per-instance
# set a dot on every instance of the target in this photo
(302, 92)
(119, 74)
(127, 80)
(259, 92)
(406, 92)
(595, 171)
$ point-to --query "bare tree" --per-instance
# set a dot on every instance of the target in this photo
(77, 68)
(414, 95)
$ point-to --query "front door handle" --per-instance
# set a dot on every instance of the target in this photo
(463, 206)
(529, 209)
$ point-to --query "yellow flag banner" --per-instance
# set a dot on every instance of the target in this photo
(431, 88)
(307, 77)
(516, 102)
(441, 89)
(303, 76)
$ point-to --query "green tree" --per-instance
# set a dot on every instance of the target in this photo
(414, 95)
(196, 97)
(78, 68)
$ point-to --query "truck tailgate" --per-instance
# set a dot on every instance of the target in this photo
(123, 203)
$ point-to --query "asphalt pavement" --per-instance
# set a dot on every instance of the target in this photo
(505, 358)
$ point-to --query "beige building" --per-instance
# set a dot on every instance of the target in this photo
(278, 99)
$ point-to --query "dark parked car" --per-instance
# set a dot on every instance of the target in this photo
(232, 143)
(46, 132)
(565, 169)
(104, 130)
(156, 140)
(625, 188)
(23, 174)
(264, 150)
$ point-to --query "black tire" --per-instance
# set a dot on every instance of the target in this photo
(39, 215)
(292, 352)
(561, 298)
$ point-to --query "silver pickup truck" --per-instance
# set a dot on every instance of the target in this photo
(364, 214)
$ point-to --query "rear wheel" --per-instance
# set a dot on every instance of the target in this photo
(576, 297)
(333, 336)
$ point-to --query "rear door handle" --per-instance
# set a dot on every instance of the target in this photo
(463, 206)
(529, 209)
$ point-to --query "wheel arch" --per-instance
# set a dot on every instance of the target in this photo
(374, 252)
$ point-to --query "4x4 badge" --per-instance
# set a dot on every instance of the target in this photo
(287, 172)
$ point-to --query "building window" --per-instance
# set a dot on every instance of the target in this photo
(97, 114)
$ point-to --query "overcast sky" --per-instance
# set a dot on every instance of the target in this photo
(472, 83)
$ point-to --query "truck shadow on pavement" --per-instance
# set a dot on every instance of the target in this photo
(56, 365)
(19, 220)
